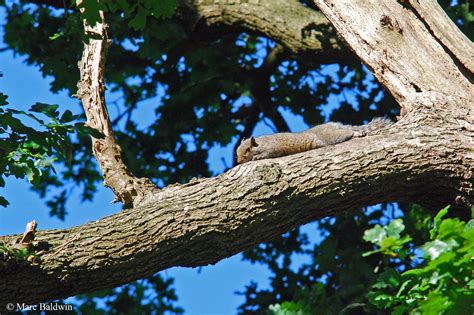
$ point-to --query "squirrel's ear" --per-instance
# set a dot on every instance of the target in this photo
(253, 142)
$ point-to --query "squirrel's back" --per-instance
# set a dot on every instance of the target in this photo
(281, 144)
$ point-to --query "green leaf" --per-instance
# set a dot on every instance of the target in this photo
(381, 300)
(288, 308)
(3, 99)
(3, 202)
(68, 117)
(55, 36)
(164, 8)
(389, 243)
(448, 259)
(31, 144)
(91, 12)
(437, 247)
(390, 277)
(402, 287)
(139, 21)
(395, 228)
(371, 252)
(86, 130)
(470, 284)
(112, 6)
(469, 225)
(400, 310)
(47, 109)
(15, 124)
(123, 4)
(450, 228)
(436, 303)
(375, 235)
(437, 221)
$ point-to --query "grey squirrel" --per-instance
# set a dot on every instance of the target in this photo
(286, 143)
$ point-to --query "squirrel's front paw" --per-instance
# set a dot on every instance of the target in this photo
(260, 156)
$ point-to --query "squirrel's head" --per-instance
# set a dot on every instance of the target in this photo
(245, 150)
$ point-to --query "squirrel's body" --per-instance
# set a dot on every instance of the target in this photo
(286, 143)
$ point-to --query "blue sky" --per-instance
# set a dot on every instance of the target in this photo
(208, 291)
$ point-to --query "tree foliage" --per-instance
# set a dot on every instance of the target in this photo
(423, 275)
(441, 283)
(29, 151)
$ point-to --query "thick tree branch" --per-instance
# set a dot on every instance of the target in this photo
(301, 30)
(426, 157)
(206, 220)
(446, 32)
(395, 44)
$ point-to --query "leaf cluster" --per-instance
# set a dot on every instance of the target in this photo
(441, 284)
(430, 276)
(136, 11)
(27, 151)
(331, 276)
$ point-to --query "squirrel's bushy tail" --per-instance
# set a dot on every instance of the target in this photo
(375, 124)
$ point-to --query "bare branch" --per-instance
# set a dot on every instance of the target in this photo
(127, 188)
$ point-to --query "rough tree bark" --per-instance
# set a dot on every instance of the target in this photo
(426, 157)
(127, 188)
